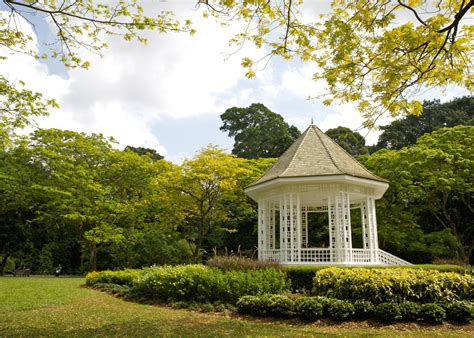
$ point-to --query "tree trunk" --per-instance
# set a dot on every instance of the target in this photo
(3, 264)
(93, 256)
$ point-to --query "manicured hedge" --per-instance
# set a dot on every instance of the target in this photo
(314, 308)
(204, 284)
(393, 285)
(302, 276)
(120, 277)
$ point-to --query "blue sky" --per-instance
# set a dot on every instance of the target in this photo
(169, 94)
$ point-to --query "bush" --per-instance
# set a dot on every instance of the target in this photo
(309, 308)
(120, 277)
(396, 284)
(250, 305)
(363, 309)
(266, 305)
(278, 306)
(432, 313)
(230, 263)
(410, 311)
(459, 311)
(203, 284)
(388, 312)
(339, 309)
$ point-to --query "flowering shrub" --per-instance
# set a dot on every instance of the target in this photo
(204, 284)
(120, 277)
(393, 285)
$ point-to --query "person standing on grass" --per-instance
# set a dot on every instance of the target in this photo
(58, 270)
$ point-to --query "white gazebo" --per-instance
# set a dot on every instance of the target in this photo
(315, 175)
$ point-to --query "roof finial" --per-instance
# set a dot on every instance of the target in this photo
(312, 120)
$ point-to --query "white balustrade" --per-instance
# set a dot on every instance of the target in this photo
(326, 256)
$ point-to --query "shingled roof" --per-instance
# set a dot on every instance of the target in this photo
(315, 154)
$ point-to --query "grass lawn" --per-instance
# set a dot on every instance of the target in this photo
(59, 306)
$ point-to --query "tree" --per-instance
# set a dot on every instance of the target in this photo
(257, 131)
(367, 52)
(351, 141)
(15, 203)
(427, 211)
(154, 155)
(202, 186)
(242, 220)
(404, 132)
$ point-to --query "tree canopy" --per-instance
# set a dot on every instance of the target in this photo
(152, 153)
(427, 211)
(258, 132)
(405, 131)
(377, 54)
(352, 141)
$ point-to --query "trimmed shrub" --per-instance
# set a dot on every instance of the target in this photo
(309, 308)
(120, 277)
(388, 312)
(363, 309)
(278, 306)
(459, 311)
(230, 263)
(432, 313)
(203, 284)
(339, 309)
(410, 311)
(250, 305)
(396, 284)
(266, 305)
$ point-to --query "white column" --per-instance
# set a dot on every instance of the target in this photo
(372, 225)
(271, 232)
(370, 232)
(283, 245)
(343, 240)
(365, 228)
(291, 219)
(347, 226)
(332, 227)
(298, 227)
(304, 225)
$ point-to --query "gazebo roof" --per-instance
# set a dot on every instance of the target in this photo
(315, 154)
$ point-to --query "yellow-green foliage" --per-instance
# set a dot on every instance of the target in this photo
(387, 285)
(204, 284)
(121, 277)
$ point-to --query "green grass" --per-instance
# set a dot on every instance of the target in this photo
(59, 306)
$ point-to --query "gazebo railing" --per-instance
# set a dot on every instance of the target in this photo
(328, 256)
(389, 259)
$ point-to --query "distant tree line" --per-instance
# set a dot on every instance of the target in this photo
(74, 199)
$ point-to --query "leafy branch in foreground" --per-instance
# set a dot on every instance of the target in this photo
(81, 24)
(380, 54)
(17, 106)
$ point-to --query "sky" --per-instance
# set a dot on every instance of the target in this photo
(169, 94)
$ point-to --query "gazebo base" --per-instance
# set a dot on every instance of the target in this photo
(325, 256)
